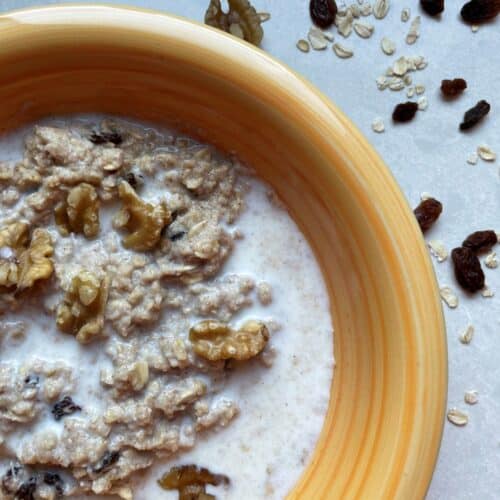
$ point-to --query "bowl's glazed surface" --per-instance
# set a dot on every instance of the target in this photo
(382, 432)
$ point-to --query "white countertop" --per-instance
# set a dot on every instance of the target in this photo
(427, 155)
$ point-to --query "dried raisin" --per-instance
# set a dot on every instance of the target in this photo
(107, 461)
(479, 11)
(481, 241)
(27, 490)
(53, 479)
(427, 213)
(432, 7)
(405, 112)
(105, 137)
(474, 115)
(467, 268)
(64, 407)
(452, 88)
(323, 12)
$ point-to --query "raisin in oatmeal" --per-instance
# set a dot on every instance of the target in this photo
(158, 307)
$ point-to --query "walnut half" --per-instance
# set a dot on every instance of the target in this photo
(80, 212)
(144, 221)
(82, 311)
(21, 264)
(214, 340)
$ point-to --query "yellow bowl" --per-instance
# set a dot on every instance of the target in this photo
(382, 432)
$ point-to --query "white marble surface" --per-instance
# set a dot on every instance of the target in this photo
(426, 155)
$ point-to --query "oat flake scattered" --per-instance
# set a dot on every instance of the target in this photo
(264, 16)
(405, 14)
(423, 103)
(344, 23)
(471, 397)
(366, 9)
(487, 292)
(491, 260)
(466, 336)
(363, 30)
(472, 159)
(378, 125)
(486, 153)
(410, 92)
(414, 31)
(380, 8)
(355, 11)
(438, 250)
(382, 82)
(388, 46)
(341, 51)
(317, 39)
(396, 83)
(474, 28)
(303, 45)
(419, 89)
(449, 297)
(457, 417)
(328, 35)
(407, 79)
(400, 67)
(425, 196)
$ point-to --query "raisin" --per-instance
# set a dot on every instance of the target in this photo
(432, 7)
(479, 11)
(64, 407)
(452, 88)
(31, 380)
(480, 241)
(468, 270)
(474, 115)
(53, 479)
(27, 490)
(323, 12)
(105, 137)
(107, 461)
(405, 112)
(427, 213)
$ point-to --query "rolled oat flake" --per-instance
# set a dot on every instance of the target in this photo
(388, 46)
(405, 15)
(457, 417)
(381, 8)
(341, 51)
(317, 39)
(471, 397)
(303, 45)
(364, 30)
(378, 125)
(449, 297)
(486, 153)
(414, 31)
(467, 335)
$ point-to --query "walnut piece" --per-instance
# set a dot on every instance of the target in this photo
(241, 20)
(82, 311)
(142, 220)
(80, 212)
(214, 340)
(22, 264)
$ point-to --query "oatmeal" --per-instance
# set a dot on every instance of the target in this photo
(158, 308)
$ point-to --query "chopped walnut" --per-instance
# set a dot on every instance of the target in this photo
(214, 340)
(21, 265)
(142, 220)
(80, 212)
(241, 20)
(82, 311)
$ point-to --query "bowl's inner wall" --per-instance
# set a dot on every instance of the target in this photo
(367, 438)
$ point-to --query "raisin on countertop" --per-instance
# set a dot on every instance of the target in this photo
(323, 12)
(467, 268)
(64, 407)
(481, 241)
(427, 213)
(432, 7)
(452, 88)
(474, 115)
(405, 112)
(480, 11)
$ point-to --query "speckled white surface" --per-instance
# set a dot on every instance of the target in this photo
(426, 155)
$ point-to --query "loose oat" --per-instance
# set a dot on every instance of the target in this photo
(341, 51)
(405, 15)
(364, 30)
(449, 297)
(400, 67)
(425, 196)
(317, 39)
(396, 83)
(388, 46)
(474, 28)
(382, 82)
(438, 250)
(303, 45)
(419, 89)
(414, 31)
(491, 261)
(378, 125)
(473, 158)
(381, 8)
(457, 417)
(487, 292)
(471, 397)
(366, 9)
(328, 35)
(410, 92)
(423, 103)
(407, 79)
(344, 23)
(467, 335)
(486, 153)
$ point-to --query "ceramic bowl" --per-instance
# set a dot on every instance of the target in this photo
(383, 428)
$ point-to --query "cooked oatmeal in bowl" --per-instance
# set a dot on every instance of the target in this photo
(165, 327)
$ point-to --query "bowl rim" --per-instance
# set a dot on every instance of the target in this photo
(123, 17)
